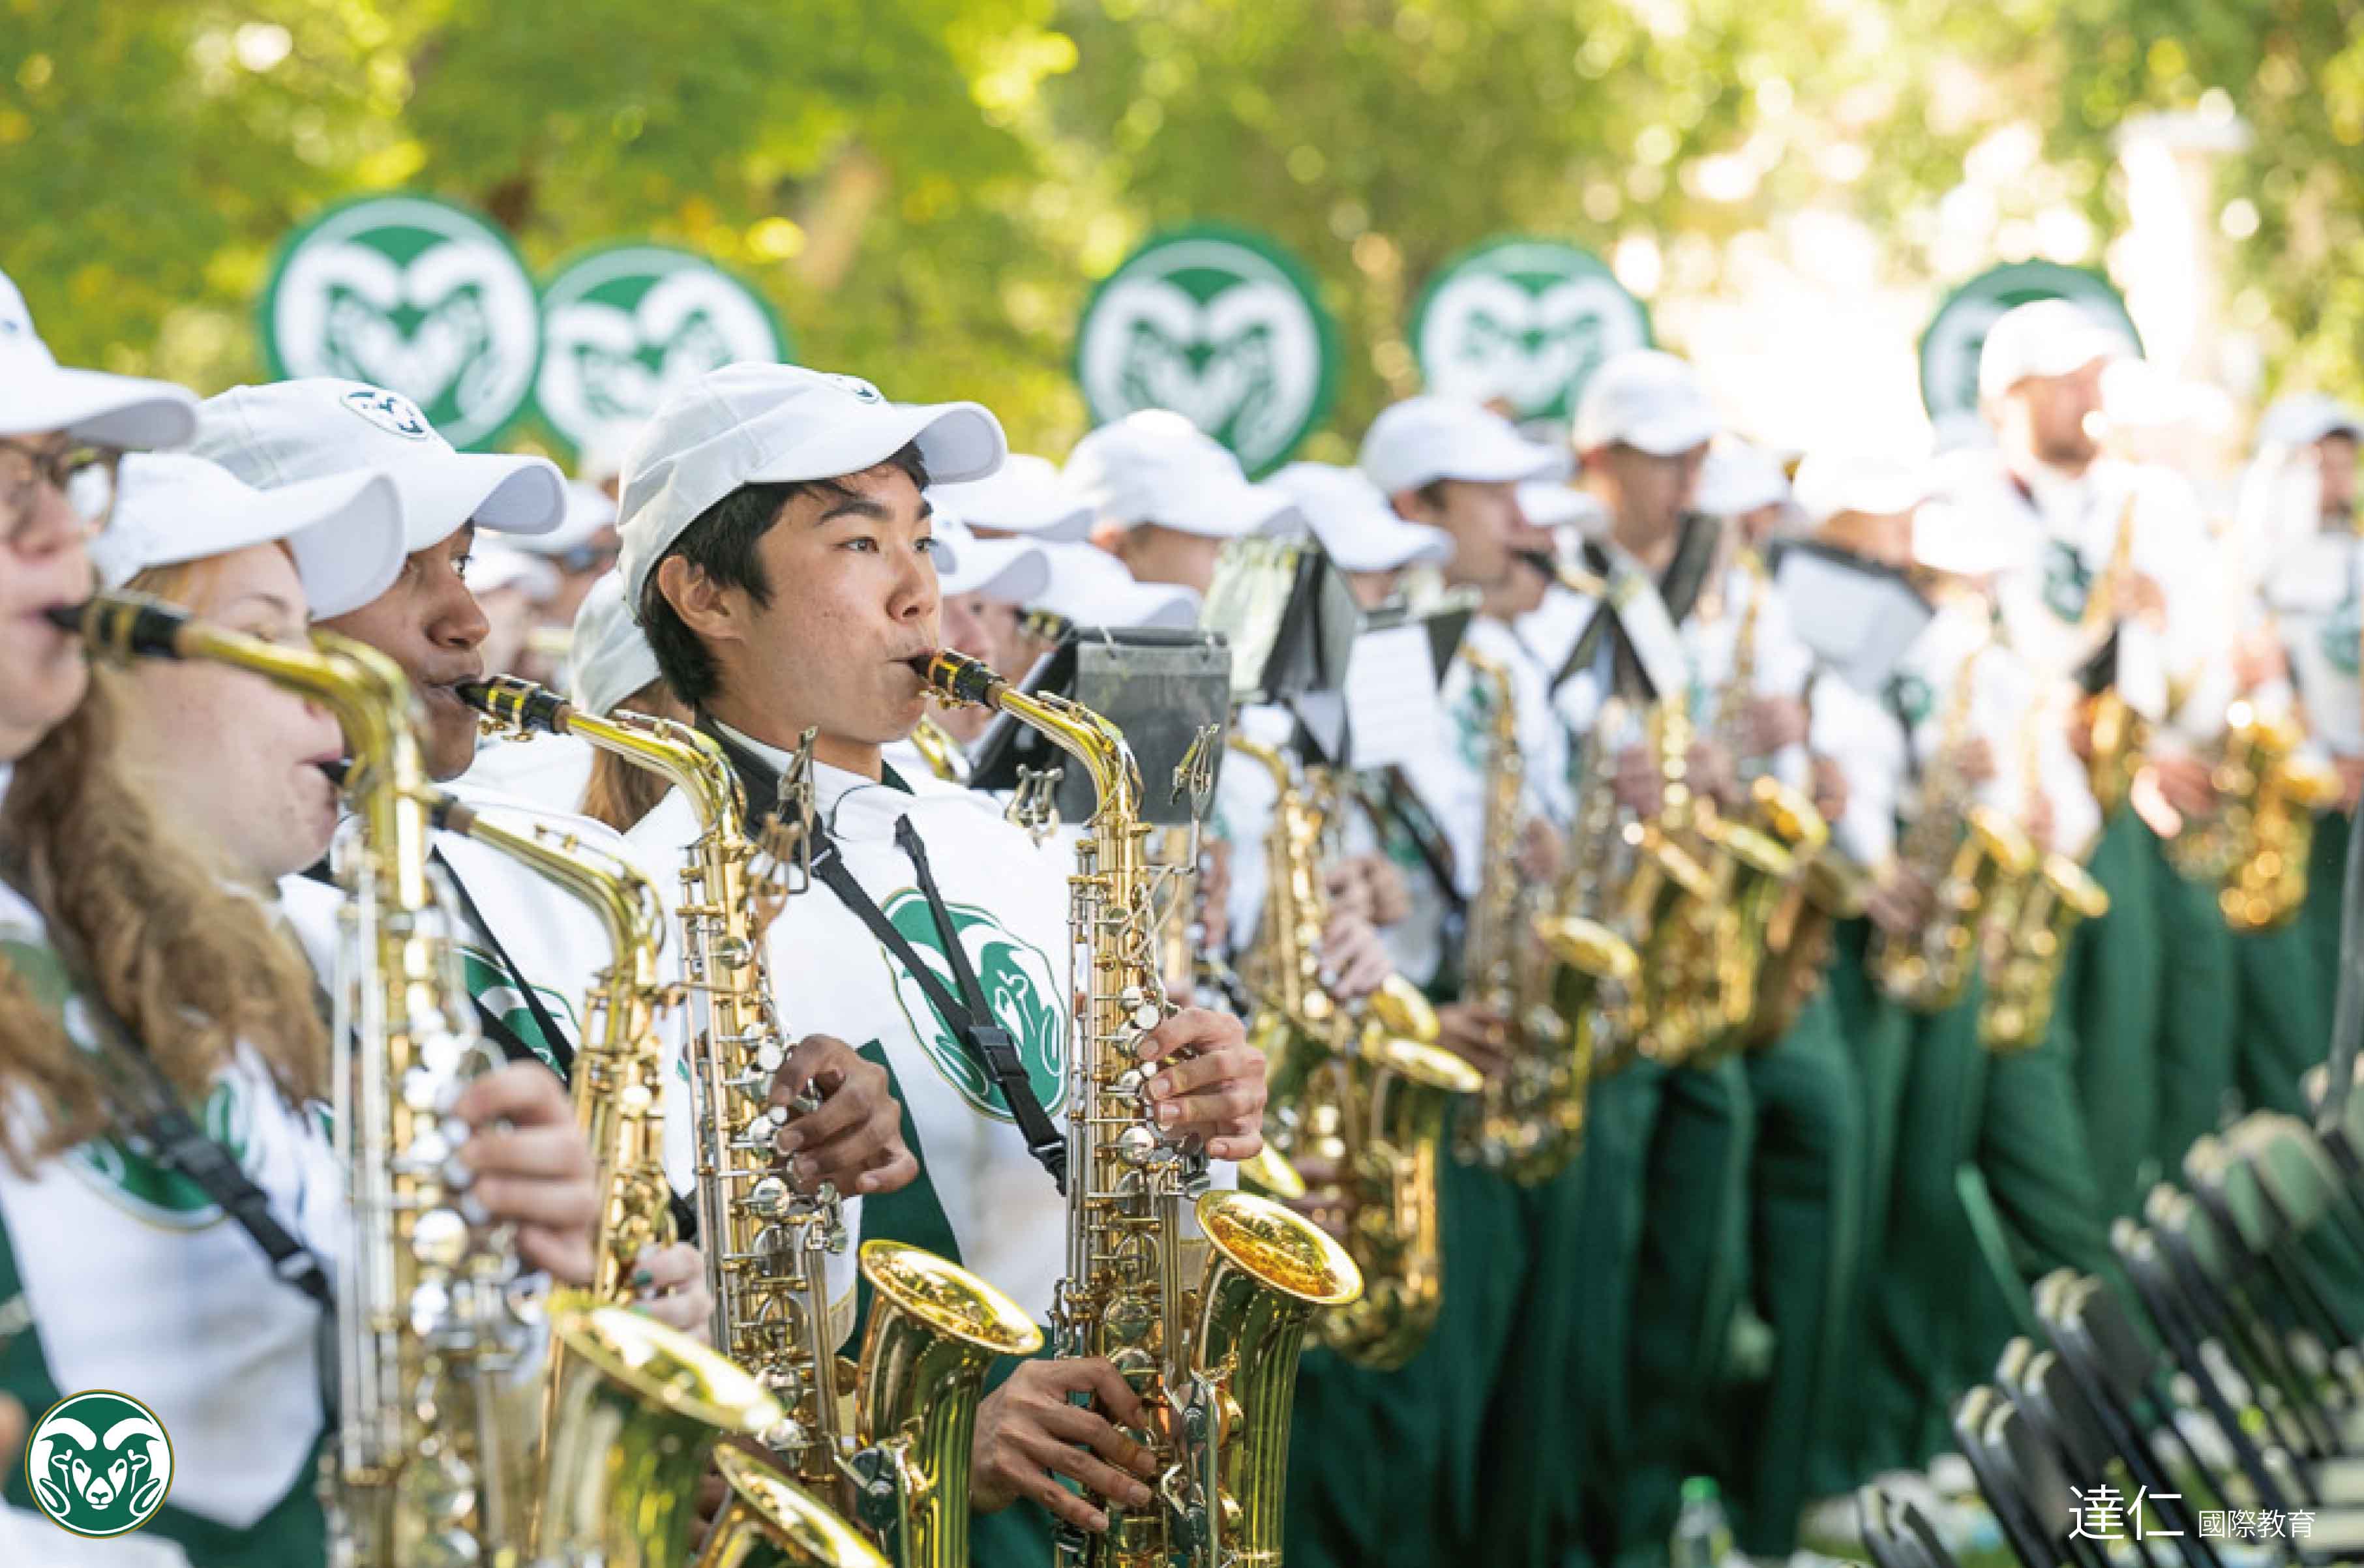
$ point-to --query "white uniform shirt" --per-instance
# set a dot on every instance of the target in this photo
(548, 772)
(135, 1280)
(1008, 899)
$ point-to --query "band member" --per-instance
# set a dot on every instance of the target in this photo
(1166, 498)
(120, 946)
(983, 586)
(1026, 496)
(611, 668)
(776, 544)
(1450, 1414)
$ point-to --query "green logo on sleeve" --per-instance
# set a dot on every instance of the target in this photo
(1020, 985)
(99, 1464)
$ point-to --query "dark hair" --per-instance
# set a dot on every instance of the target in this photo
(1432, 494)
(721, 543)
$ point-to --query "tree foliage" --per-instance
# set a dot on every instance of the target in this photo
(926, 189)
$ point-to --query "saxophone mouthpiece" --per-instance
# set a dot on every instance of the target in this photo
(1541, 562)
(124, 625)
(957, 677)
(521, 705)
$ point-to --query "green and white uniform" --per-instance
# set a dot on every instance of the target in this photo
(118, 1274)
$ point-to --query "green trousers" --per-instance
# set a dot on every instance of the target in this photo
(1688, 1268)
(1805, 1217)
(2326, 871)
(1385, 1466)
(1878, 1036)
(1528, 1496)
(2116, 991)
(1620, 1115)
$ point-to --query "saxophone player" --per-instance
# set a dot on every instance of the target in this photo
(777, 549)
(985, 586)
(110, 907)
(530, 950)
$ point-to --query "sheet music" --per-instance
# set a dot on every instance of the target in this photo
(1858, 623)
(1391, 697)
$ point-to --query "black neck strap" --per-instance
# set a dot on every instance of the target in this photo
(1679, 588)
(969, 1016)
(148, 1109)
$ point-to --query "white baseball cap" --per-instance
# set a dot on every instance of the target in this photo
(2044, 338)
(1551, 503)
(1425, 439)
(293, 431)
(492, 567)
(1877, 484)
(759, 424)
(1646, 399)
(1008, 571)
(1153, 466)
(1025, 495)
(1947, 537)
(608, 658)
(1090, 587)
(588, 510)
(2306, 418)
(37, 395)
(1356, 526)
(1737, 478)
(344, 531)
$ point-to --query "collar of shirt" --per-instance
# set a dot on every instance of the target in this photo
(831, 784)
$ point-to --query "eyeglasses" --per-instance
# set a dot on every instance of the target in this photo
(84, 474)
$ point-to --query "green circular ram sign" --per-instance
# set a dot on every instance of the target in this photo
(1221, 326)
(1949, 348)
(414, 294)
(1525, 323)
(623, 325)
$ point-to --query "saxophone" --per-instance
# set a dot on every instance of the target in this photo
(426, 1469)
(901, 1463)
(1220, 1363)
(1530, 1123)
(946, 757)
(1966, 854)
(2256, 845)
(1368, 1096)
(2117, 734)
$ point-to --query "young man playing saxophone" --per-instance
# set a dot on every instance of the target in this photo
(777, 546)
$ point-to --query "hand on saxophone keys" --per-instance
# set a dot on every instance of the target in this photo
(1214, 1084)
(853, 1139)
(1031, 1431)
(1354, 963)
(1479, 1036)
(530, 1165)
(669, 1284)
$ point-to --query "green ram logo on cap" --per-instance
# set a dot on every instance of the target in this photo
(1523, 322)
(625, 326)
(412, 294)
(1950, 345)
(1221, 326)
(99, 1464)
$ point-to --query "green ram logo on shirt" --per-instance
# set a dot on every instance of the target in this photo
(2343, 637)
(1473, 726)
(2066, 581)
(124, 1171)
(1020, 985)
(99, 1464)
(495, 989)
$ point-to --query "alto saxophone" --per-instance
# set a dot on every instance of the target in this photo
(426, 1467)
(1966, 854)
(900, 1461)
(2116, 733)
(1220, 1364)
(1367, 1095)
(1529, 1122)
(2256, 845)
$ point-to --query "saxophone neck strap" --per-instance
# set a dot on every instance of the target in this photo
(967, 1014)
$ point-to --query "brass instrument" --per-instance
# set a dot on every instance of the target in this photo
(1530, 1123)
(1964, 852)
(2024, 977)
(946, 757)
(426, 1470)
(2117, 735)
(765, 1522)
(2255, 846)
(1626, 889)
(1219, 1365)
(1368, 1095)
(899, 1463)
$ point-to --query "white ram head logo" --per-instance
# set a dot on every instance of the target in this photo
(99, 1483)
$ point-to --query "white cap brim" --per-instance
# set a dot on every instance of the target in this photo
(345, 532)
(1229, 511)
(1671, 435)
(123, 411)
(508, 494)
(1013, 572)
(1386, 545)
(1947, 539)
(957, 441)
